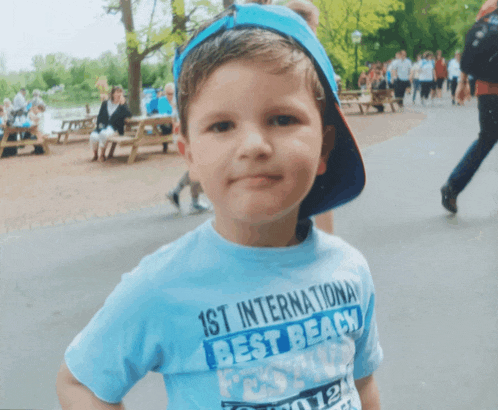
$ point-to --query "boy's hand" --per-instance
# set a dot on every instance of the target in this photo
(75, 396)
(369, 393)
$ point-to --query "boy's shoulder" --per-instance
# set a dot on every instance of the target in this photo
(342, 249)
(168, 260)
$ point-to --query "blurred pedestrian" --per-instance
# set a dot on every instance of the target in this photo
(427, 76)
(441, 73)
(454, 74)
(400, 73)
(414, 77)
(487, 103)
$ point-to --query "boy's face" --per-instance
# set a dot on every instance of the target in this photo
(254, 142)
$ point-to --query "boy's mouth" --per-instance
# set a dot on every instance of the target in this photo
(259, 180)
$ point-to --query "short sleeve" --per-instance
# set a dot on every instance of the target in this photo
(121, 343)
(369, 353)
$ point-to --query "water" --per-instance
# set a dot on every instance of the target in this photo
(55, 116)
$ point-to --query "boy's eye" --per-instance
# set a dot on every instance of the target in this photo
(222, 126)
(283, 120)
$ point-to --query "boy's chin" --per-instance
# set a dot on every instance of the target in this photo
(259, 216)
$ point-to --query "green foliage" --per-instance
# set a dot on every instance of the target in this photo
(456, 15)
(423, 25)
(340, 18)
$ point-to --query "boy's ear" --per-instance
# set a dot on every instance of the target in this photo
(186, 152)
(327, 146)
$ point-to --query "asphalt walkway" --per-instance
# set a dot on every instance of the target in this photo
(436, 276)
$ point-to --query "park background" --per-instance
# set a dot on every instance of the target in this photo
(151, 29)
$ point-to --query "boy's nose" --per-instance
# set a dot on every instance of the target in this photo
(254, 144)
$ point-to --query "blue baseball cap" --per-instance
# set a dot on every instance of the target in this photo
(344, 178)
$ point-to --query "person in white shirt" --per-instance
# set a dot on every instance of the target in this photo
(400, 73)
(427, 75)
(454, 74)
(19, 102)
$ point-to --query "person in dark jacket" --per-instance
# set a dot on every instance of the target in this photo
(110, 121)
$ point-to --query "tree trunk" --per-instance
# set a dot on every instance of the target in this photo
(227, 3)
(134, 85)
(134, 59)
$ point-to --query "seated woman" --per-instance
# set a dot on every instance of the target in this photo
(110, 121)
(378, 82)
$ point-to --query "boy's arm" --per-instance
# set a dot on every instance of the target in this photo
(75, 396)
(369, 393)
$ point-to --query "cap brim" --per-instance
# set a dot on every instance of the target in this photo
(344, 178)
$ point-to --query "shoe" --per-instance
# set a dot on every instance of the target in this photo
(449, 199)
(196, 207)
(174, 198)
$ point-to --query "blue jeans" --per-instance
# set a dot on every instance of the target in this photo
(480, 148)
(416, 87)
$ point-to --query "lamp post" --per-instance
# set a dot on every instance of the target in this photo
(356, 38)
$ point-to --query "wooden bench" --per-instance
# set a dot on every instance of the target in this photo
(141, 131)
(377, 97)
(352, 98)
(7, 130)
(76, 127)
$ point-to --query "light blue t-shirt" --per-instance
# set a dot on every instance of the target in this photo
(234, 327)
(426, 70)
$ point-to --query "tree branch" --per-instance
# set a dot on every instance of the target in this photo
(192, 12)
(112, 10)
(151, 49)
(150, 23)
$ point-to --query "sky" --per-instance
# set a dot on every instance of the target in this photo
(79, 28)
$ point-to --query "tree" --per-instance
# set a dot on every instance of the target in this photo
(338, 20)
(142, 43)
(457, 16)
(54, 68)
(424, 25)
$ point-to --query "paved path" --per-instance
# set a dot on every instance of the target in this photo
(436, 277)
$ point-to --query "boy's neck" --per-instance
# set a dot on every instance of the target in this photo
(278, 233)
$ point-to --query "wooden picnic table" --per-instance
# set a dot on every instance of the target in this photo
(369, 99)
(141, 131)
(81, 126)
(8, 130)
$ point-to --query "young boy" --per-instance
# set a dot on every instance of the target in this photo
(255, 309)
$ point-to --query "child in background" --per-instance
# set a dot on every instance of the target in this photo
(195, 187)
(36, 116)
(255, 308)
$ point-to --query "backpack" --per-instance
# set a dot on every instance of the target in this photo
(480, 54)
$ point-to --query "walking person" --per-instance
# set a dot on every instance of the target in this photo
(414, 77)
(487, 103)
(454, 74)
(400, 72)
(441, 73)
(427, 76)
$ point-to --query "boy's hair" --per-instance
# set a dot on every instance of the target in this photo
(249, 44)
(41, 107)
